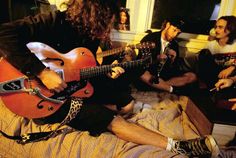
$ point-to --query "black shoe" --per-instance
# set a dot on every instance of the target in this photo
(178, 90)
(201, 147)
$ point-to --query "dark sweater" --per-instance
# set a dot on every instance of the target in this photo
(52, 29)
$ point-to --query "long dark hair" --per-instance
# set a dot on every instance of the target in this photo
(92, 17)
(118, 19)
(231, 26)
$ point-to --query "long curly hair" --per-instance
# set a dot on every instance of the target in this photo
(231, 26)
(93, 17)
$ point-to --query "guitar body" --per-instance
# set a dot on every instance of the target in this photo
(225, 59)
(14, 86)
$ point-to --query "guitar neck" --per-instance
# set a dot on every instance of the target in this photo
(230, 54)
(87, 73)
(110, 52)
(145, 45)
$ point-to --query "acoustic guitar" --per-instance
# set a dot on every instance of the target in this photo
(144, 46)
(29, 98)
(225, 59)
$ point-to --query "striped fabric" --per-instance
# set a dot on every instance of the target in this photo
(164, 117)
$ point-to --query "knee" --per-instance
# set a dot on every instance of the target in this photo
(117, 125)
(204, 55)
(127, 109)
(204, 52)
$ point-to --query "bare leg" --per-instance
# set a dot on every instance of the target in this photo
(133, 133)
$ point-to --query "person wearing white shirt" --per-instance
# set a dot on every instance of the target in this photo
(216, 60)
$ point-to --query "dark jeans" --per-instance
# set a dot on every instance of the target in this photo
(208, 68)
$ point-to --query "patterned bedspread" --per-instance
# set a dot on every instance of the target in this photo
(161, 113)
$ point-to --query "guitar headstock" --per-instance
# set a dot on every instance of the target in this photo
(147, 61)
(146, 45)
(143, 45)
(145, 49)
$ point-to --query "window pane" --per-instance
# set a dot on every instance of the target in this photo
(199, 15)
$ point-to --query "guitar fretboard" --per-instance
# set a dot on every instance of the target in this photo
(145, 45)
(87, 73)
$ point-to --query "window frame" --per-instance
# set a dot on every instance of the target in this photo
(141, 12)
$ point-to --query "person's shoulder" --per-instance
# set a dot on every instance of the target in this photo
(212, 43)
(152, 36)
(212, 46)
(45, 16)
(156, 33)
(54, 13)
(174, 45)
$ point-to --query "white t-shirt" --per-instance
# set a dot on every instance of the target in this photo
(164, 43)
(215, 48)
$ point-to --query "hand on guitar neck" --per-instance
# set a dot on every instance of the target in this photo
(75, 68)
(52, 80)
(126, 53)
(116, 71)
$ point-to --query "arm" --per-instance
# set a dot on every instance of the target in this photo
(148, 76)
(15, 35)
(224, 83)
(226, 72)
(148, 79)
(13, 39)
(234, 106)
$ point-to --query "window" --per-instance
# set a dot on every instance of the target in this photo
(199, 15)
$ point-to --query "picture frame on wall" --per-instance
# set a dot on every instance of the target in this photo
(123, 20)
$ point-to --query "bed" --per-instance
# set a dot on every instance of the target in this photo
(162, 113)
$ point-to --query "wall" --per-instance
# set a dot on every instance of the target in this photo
(140, 21)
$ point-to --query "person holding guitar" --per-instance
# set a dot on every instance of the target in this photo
(169, 72)
(217, 59)
(84, 24)
(217, 62)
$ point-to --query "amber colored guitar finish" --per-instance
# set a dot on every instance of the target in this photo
(17, 92)
(29, 98)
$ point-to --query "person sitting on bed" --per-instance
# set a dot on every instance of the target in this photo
(169, 71)
(86, 23)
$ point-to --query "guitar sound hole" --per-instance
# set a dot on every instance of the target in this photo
(40, 106)
(86, 92)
